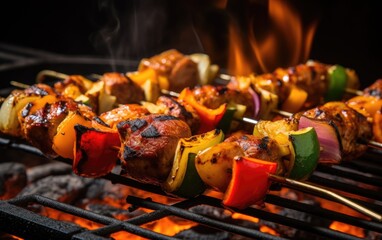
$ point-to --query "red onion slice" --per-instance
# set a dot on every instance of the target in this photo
(256, 102)
(328, 138)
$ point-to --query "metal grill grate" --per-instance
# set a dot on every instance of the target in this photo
(14, 212)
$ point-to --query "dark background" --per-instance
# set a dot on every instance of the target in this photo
(348, 32)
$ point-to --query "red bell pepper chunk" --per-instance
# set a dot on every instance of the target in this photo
(249, 182)
(96, 151)
(209, 117)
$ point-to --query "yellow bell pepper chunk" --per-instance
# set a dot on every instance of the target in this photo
(295, 100)
(63, 141)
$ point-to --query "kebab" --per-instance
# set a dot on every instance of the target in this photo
(203, 99)
(145, 155)
(203, 160)
(171, 70)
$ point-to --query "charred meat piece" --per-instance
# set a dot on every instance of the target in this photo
(148, 146)
(15, 102)
(260, 148)
(353, 128)
(374, 90)
(180, 110)
(40, 118)
(313, 78)
(81, 83)
(214, 96)
(124, 89)
(180, 70)
(124, 112)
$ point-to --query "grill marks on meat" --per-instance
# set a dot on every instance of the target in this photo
(352, 126)
(123, 112)
(148, 146)
(260, 148)
(39, 125)
(180, 70)
(181, 110)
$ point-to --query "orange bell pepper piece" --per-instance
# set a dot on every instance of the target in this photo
(209, 117)
(295, 100)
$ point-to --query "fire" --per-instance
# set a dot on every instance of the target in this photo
(286, 42)
(168, 225)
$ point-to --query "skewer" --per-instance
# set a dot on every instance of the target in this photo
(227, 77)
(319, 190)
(42, 74)
(302, 186)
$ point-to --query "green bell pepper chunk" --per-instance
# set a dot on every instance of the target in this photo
(337, 83)
(184, 180)
(306, 153)
(234, 111)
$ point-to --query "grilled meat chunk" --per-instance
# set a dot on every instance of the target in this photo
(180, 70)
(261, 148)
(353, 128)
(122, 113)
(148, 146)
(124, 89)
(374, 90)
(40, 119)
(15, 102)
(180, 110)
(76, 83)
(214, 96)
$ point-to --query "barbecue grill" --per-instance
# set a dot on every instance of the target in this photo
(297, 217)
(359, 180)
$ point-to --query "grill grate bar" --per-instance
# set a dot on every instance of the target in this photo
(340, 171)
(23, 201)
(319, 211)
(27, 224)
(145, 218)
(199, 218)
(322, 180)
(265, 215)
(268, 216)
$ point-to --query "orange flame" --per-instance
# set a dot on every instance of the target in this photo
(286, 43)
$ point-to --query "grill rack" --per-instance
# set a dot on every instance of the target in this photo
(14, 211)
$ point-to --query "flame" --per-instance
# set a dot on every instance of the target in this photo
(172, 225)
(168, 225)
(287, 42)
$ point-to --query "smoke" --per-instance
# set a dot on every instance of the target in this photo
(130, 29)
(135, 29)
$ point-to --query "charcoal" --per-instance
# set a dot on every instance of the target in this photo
(63, 188)
(113, 212)
(211, 212)
(371, 235)
(289, 232)
(203, 233)
(13, 179)
(49, 169)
